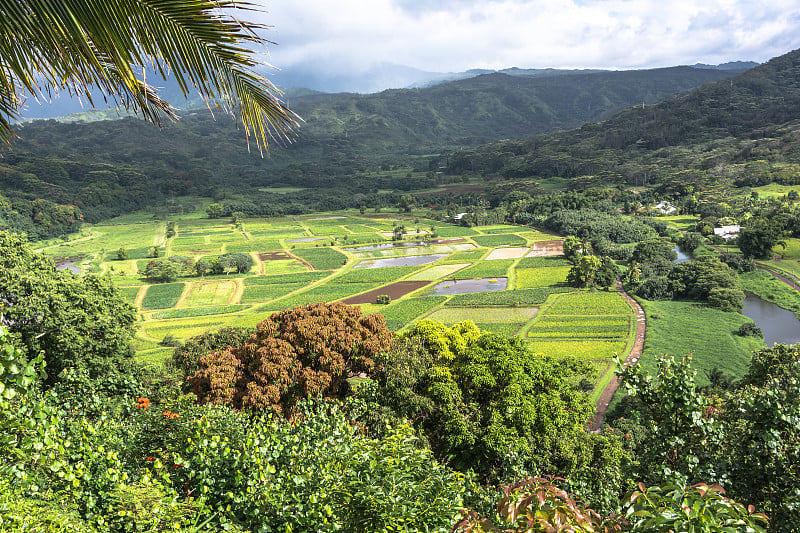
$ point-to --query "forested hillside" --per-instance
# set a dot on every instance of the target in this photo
(350, 147)
(748, 117)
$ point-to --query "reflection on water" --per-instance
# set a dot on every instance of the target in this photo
(71, 264)
(409, 260)
(682, 257)
(466, 286)
(778, 324)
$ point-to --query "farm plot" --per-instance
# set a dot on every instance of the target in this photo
(484, 269)
(506, 298)
(596, 350)
(467, 256)
(437, 272)
(203, 293)
(129, 293)
(455, 231)
(265, 293)
(404, 312)
(503, 239)
(592, 326)
(199, 311)
(545, 248)
(492, 315)
(541, 277)
(413, 250)
(566, 326)
(323, 293)
(376, 275)
(162, 296)
(393, 291)
(543, 262)
(183, 328)
(590, 303)
(322, 258)
(506, 253)
(497, 228)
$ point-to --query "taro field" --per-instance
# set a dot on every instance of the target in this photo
(506, 279)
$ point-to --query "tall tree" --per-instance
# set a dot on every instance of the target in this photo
(77, 46)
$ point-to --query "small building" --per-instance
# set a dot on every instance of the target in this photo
(665, 208)
(728, 232)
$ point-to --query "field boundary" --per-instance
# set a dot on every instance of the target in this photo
(632, 358)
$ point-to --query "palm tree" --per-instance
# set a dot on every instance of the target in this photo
(77, 46)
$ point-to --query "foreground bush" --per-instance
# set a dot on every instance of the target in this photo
(537, 505)
(294, 354)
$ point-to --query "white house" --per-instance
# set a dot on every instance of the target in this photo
(665, 208)
(727, 232)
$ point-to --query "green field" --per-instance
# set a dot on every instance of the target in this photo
(681, 328)
(162, 296)
(539, 308)
(528, 278)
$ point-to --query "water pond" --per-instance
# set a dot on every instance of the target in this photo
(778, 324)
(389, 245)
(467, 286)
(307, 239)
(682, 256)
(409, 260)
(71, 264)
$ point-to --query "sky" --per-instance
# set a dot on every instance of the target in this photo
(456, 35)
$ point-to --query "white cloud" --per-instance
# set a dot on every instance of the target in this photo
(453, 35)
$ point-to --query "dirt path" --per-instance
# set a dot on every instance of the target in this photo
(633, 358)
(140, 296)
(788, 281)
(237, 294)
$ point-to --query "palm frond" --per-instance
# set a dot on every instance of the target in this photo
(80, 45)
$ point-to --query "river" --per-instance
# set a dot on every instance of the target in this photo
(778, 324)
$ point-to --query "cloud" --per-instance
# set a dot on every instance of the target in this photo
(454, 35)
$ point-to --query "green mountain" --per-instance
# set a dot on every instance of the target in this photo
(719, 123)
(365, 145)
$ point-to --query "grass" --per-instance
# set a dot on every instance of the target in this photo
(437, 272)
(209, 293)
(499, 240)
(541, 277)
(484, 269)
(578, 326)
(454, 231)
(771, 289)
(680, 328)
(792, 250)
(265, 293)
(403, 312)
(376, 275)
(505, 298)
(283, 266)
(590, 303)
(508, 330)
(582, 349)
(543, 261)
(322, 258)
(162, 296)
(200, 311)
(129, 293)
(324, 293)
(300, 277)
(495, 315)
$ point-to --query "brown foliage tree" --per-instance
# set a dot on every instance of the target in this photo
(300, 352)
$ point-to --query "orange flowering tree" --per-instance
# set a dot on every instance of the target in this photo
(306, 351)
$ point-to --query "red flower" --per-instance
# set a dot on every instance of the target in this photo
(149, 458)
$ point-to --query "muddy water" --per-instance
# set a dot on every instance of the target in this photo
(466, 286)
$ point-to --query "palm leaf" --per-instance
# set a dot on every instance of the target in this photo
(76, 46)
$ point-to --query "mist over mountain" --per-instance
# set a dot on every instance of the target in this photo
(320, 78)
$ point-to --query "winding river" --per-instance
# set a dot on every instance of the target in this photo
(778, 324)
